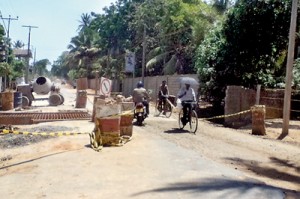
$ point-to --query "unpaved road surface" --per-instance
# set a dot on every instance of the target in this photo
(159, 162)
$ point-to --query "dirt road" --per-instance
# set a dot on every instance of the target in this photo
(159, 162)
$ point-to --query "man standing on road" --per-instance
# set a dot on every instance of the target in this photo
(140, 95)
(187, 96)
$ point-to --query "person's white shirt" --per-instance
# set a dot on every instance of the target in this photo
(189, 94)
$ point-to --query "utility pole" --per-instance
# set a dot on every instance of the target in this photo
(28, 54)
(9, 19)
(144, 54)
(289, 72)
(7, 41)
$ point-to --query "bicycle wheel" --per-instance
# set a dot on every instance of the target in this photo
(169, 110)
(158, 109)
(193, 122)
(179, 119)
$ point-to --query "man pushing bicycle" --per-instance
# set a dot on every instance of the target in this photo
(163, 95)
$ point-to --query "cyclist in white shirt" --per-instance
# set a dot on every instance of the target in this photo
(187, 96)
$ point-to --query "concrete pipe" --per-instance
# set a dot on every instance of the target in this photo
(55, 99)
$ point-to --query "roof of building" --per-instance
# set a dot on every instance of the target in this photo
(18, 52)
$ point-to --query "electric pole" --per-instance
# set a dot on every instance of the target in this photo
(9, 19)
(144, 54)
(28, 52)
(7, 41)
(289, 72)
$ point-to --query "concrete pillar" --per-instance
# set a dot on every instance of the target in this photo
(232, 104)
(258, 120)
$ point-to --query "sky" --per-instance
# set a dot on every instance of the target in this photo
(57, 22)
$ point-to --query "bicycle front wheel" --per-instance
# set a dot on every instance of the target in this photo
(158, 109)
(169, 110)
(179, 119)
(193, 122)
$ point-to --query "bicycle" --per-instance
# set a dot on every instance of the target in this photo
(168, 106)
(192, 120)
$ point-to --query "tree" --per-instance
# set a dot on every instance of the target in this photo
(85, 22)
(40, 67)
(247, 49)
(84, 50)
(222, 5)
(19, 44)
(115, 34)
(174, 29)
(60, 67)
(2, 44)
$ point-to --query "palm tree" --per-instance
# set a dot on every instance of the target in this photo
(181, 28)
(85, 22)
(84, 50)
(18, 44)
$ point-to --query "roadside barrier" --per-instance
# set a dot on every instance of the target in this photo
(217, 117)
(6, 131)
(226, 116)
(97, 138)
(109, 131)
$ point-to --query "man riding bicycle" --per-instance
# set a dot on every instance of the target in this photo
(188, 98)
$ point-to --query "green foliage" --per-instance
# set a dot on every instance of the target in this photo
(40, 67)
(60, 67)
(247, 49)
(5, 69)
(2, 44)
(84, 51)
(18, 69)
(174, 28)
(222, 5)
(296, 75)
(208, 55)
(72, 74)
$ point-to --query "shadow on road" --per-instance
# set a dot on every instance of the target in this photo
(228, 188)
(272, 172)
(34, 159)
(176, 130)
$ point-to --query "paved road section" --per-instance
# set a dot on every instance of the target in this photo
(146, 167)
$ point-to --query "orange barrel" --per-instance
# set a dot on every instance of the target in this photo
(109, 128)
(126, 123)
(7, 101)
(17, 99)
(82, 83)
(81, 99)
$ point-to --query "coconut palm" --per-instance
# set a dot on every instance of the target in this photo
(180, 31)
(84, 50)
(18, 44)
(85, 22)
